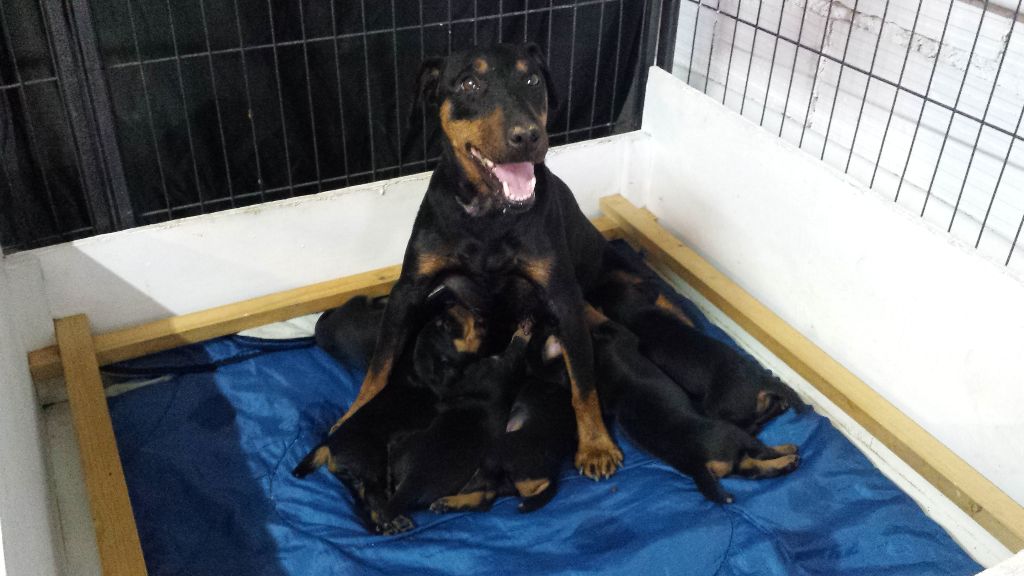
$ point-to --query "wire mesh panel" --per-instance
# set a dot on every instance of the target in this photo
(118, 113)
(921, 100)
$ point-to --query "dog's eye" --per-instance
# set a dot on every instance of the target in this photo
(532, 80)
(469, 85)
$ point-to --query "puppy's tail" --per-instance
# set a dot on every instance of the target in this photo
(316, 458)
(710, 487)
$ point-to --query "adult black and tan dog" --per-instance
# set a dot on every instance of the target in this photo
(494, 212)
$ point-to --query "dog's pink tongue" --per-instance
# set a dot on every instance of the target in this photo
(517, 179)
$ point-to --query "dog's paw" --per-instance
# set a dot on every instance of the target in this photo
(789, 463)
(441, 506)
(598, 460)
(783, 449)
(397, 525)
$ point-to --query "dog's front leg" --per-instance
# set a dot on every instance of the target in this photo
(597, 456)
(397, 324)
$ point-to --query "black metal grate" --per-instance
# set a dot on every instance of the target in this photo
(117, 113)
(958, 151)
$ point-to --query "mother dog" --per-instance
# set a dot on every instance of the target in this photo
(493, 212)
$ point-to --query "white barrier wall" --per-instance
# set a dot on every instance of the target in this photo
(28, 544)
(929, 324)
(138, 275)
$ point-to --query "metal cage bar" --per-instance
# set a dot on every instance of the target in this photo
(981, 86)
(139, 161)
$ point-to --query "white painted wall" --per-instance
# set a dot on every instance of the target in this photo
(929, 324)
(27, 535)
(822, 98)
(196, 263)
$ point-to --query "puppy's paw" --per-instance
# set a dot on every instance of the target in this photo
(525, 329)
(598, 460)
(789, 463)
(441, 506)
(397, 525)
(783, 449)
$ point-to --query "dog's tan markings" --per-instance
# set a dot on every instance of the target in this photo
(719, 468)
(522, 66)
(484, 133)
(472, 337)
(786, 449)
(623, 277)
(754, 468)
(538, 270)
(596, 455)
(321, 456)
(480, 66)
(593, 316)
(428, 264)
(375, 381)
(476, 500)
(668, 306)
(531, 487)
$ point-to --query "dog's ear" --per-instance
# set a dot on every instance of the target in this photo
(429, 81)
(535, 53)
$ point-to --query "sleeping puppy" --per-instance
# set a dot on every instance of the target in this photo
(449, 465)
(659, 416)
(723, 382)
(541, 431)
(349, 332)
(356, 453)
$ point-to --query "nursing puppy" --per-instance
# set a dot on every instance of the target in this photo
(450, 464)
(659, 416)
(723, 382)
(541, 432)
(357, 453)
(349, 332)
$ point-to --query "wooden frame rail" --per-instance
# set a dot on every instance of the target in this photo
(167, 333)
(78, 355)
(112, 518)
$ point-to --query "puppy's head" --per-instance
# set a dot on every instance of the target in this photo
(493, 105)
(446, 344)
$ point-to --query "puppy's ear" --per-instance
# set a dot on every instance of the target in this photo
(537, 55)
(429, 81)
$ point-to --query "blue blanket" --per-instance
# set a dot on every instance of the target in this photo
(207, 456)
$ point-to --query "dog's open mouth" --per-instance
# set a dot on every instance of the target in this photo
(516, 180)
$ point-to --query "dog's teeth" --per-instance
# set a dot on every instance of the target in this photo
(504, 188)
(533, 182)
(488, 163)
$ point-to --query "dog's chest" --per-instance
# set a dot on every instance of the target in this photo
(490, 258)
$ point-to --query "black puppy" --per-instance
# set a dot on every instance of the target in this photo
(541, 431)
(493, 211)
(659, 416)
(723, 382)
(450, 465)
(357, 452)
(349, 332)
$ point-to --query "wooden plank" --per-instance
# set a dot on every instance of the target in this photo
(175, 331)
(116, 535)
(972, 492)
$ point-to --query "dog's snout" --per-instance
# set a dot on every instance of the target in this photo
(523, 135)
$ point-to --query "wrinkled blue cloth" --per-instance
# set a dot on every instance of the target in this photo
(208, 454)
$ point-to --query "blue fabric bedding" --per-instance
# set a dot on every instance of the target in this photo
(207, 457)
